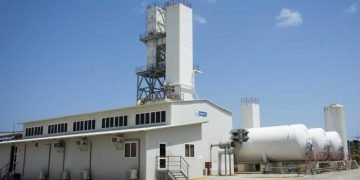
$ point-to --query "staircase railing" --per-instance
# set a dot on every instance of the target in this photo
(173, 163)
(4, 171)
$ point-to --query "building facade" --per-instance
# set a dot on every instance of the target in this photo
(150, 139)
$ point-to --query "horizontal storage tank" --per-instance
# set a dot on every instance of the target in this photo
(277, 143)
(335, 141)
(319, 139)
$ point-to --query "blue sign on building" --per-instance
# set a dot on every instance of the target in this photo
(201, 113)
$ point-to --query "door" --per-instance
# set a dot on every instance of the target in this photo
(162, 159)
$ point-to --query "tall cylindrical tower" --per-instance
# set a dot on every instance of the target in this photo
(250, 112)
(335, 121)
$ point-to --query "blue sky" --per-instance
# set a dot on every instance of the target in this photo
(67, 57)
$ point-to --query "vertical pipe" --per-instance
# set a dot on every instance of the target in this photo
(64, 153)
(24, 160)
(139, 158)
(225, 161)
(90, 157)
(230, 163)
(48, 169)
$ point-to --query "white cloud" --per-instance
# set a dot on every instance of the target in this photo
(288, 17)
(353, 8)
(200, 19)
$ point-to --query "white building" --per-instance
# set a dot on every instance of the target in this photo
(141, 134)
(167, 133)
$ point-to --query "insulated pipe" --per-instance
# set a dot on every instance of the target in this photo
(222, 145)
(23, 170)
(48, 169)
(63, 165)
(90, 155)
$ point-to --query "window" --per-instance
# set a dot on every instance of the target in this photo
(112, 122)
(189, 150)
(152, 117)
(116, 121)
(142, 119)
(125, 120)
(57, 128)
(137, 119)
(85, 125)
(107, 122)
(130, 149)
(78, 126)
(163, 116)
(93, 124)
(121, 119)
(147, 118)
(74, 126)
(158, 116)
(103, 123)
(34, 131)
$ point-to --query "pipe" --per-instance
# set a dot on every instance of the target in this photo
(63, 164)
(48, 169)
(230, 163)
(23, 170)
(90, 157)
(225, 162)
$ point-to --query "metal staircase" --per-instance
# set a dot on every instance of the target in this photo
(177, 175)
(175, 167)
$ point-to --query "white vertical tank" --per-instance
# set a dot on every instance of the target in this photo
(335, 121)
(179, 49)
(250, 112)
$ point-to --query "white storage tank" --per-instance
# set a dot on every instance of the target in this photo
(277, 143)
(319, 139)
(250, 112)
(335, 121)
(334, 141)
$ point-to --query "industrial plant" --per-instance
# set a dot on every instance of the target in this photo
(170, 133)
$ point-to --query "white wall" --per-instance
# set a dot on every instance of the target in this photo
(217, 130)
(4, 155)
(36, 159)
(175, 138)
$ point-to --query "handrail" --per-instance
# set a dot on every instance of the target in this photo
(180, 164)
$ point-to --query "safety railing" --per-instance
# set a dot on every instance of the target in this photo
(173, 163)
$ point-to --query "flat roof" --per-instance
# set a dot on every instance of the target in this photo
(121, 131)
(132, 107)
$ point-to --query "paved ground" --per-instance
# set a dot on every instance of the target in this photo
(341, 175)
